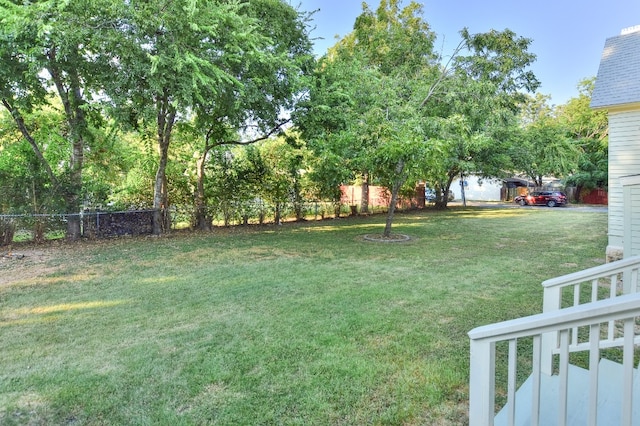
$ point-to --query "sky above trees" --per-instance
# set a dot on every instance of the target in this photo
(568, 35)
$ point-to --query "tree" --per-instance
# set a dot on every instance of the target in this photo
(48, 47)
(230, 63)
(281, 184)
(400, 104)
(475, 107)
(170, 56)
(367, 83)
(545, 147)
(330, 121)
(23, 182)
(589, 129)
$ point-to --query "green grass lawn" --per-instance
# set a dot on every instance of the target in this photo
(279, 325)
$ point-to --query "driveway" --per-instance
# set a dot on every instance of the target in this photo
(595, 208)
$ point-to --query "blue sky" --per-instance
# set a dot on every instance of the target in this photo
(568, 35)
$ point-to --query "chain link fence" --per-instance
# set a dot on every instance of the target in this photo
(107, 224)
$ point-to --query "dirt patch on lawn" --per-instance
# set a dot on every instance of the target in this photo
(21, 264)
(393, 238)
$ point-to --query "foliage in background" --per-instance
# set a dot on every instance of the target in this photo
(401, 110)
(231, 64)
(364, 100)
(50, 50)
(590, 131)
(381, 107)
(237, 65)
(474, 108)
(545, 149)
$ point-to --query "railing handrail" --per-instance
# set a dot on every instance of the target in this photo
(576, 316)
(483, 341)
(556, 330)
(592, 273)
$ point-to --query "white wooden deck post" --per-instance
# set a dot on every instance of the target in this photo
(551, 302)
(482, 383)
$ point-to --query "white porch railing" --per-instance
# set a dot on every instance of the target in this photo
(601, 282)
(600, 313)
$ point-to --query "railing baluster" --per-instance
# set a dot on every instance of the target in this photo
(511, 382)
(576, 302)
(594, 363)
(564, 377)
(613, 292)
(552, 297)
(613, 289)
(627, 365)
(594, 289)
(626, 280)
(482, 383)
(536, 371)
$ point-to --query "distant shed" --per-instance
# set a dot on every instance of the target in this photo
(617, 90)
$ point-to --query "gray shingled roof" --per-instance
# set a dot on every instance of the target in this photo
(618, 80)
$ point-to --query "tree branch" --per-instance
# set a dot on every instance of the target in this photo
(267, 135)
(19, 120)
(443, 74)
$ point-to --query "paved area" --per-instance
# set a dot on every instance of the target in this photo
(501, 204)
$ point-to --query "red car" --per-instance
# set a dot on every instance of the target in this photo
(548, 198)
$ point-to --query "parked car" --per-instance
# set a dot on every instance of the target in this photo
(549, 198)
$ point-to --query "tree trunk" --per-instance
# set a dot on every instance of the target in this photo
(203, 221)
(166, 118)
(576, 194)
(38, 231)
(73, 104)
(394, 197)
(391, 212)
(158, 197)
(364, 204)
(297, 200)
(462, 192)
(442, 193)
(277, 214)
(7, 231)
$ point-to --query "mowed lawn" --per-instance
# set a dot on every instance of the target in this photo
(301, 324)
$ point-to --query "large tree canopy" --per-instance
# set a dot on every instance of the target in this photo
(151, 103)
(544, 147)
(387, 104)
(589, 129)
(232, 64)
(49, 47)
(475, 107)
(363, 105)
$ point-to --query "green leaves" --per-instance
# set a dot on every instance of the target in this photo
(233, 64)
(544, 145)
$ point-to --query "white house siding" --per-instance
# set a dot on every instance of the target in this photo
(477, 189)
(631, 191)
(633, 246)
(624, 160)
